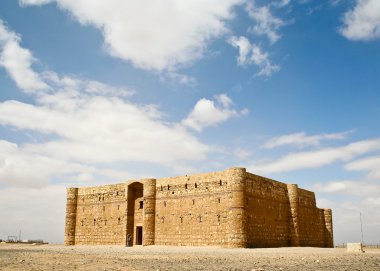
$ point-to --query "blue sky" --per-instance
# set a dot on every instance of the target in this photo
(95, 92)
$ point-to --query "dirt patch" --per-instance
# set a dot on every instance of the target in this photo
(102, 258)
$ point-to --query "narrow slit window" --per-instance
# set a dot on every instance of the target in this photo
(218, 218)
(168, 187)
(220, 182)
(193, 201)
(218, 200)
(141, 204)
(185, 186)
(181, 219)
(164, 203)
(118, 221)
(94, 221)
(195, 185)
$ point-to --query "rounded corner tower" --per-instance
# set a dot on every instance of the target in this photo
(237, 236)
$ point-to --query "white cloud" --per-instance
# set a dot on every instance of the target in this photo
(363, 21)
(93, 129)
(371, 164)
(86, 122)
(301, 139)
(210, 113)
(21, 168)
(34, 2)
(17, 61)
(318, 158)
(154, 35)
(348, 187)
(266, 23)
(252, 54)
(36, 212)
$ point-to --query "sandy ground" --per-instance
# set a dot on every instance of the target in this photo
(101, 258)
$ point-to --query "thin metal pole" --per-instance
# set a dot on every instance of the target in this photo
(361, 226)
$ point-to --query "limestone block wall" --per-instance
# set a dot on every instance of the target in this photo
(267, 212)
(193, 210)
(311, 220)
(284, 215)
(100, 215)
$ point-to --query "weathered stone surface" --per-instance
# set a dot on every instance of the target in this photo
(230, 208)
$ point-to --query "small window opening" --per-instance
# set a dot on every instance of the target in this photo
(220, 182)
(141, 204)
(193, 201)
(172, 192)
(199, 219)
(118, 221)
(218, 218)
(196, 185)
(168, 187)
(103, 198)
(164, 203)
(218, 200)
(181, 219)
(94, 221)
(100, 198)
(117, 193)
(185, 186)
(82, 222)
(161, 188)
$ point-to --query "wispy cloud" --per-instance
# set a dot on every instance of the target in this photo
(252, 54)
(370, 164)
(265, 22)
(317, 158)
(302, 139)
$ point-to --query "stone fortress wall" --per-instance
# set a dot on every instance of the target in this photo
(230, 208)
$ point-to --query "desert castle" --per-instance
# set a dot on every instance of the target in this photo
(230, 208)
